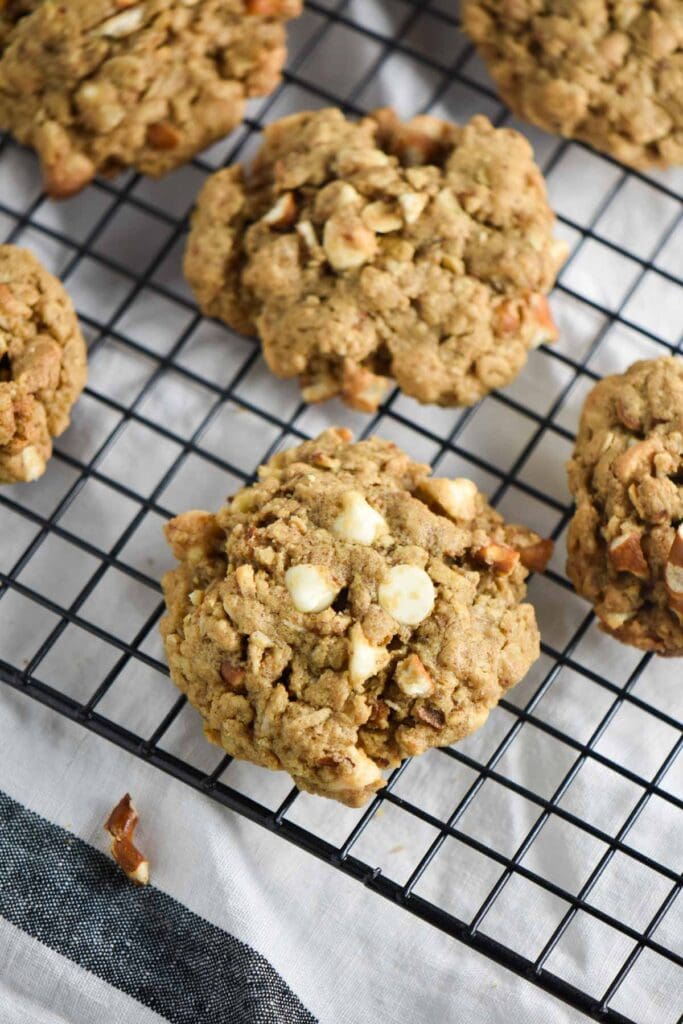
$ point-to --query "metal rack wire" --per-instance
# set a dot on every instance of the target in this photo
(135, 365)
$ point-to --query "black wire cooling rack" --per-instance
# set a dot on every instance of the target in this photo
(126, 465)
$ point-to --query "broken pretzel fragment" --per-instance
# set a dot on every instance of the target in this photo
(535, 557)
(501, 558)
(121, 825)
(430, 715)
(673, 575)
(625, 553)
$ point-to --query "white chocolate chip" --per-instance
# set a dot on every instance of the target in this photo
(412, 204)
(457, 498)
(365, 659)
(413, 678)
(358, 521)
(311, 587)
(33, 463)
(407, 593)
(121, 25)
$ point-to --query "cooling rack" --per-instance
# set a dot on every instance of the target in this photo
(550, 841)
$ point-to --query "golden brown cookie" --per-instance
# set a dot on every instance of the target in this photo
(609, 73)
(626, 538)
(362, 251)
(42, 364)
(347, 611)
(11, 11)
(95, 86)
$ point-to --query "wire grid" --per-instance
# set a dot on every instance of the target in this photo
(179, 412)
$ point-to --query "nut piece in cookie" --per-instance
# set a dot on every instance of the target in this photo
(339, 616)
(608, 73)
(625, 541)
(379, 251)
(42, 364)
(96, 86)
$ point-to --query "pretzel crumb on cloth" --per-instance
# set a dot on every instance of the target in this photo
(121, 825)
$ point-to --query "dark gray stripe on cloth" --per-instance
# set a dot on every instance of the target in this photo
(73, 899)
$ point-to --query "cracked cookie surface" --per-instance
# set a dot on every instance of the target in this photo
(95, 86)
(625, 542)
(347, 611)
(42, 364)
(608, 72)
(365, 251)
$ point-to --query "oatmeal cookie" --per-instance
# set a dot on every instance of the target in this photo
(361, 251)
(95, 86)
(11, 11)
(42, 364)
(347, 611)
(609, 72)
(626, 538)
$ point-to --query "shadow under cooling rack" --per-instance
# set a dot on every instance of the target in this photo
(549, 841)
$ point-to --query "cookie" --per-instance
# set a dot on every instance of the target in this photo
(365, 251)
(608, 73)
(626, 538)
(42, 364)
(96, 86)
(11, 11)
(347, 611)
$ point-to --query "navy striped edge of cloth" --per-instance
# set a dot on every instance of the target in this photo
(72, 898)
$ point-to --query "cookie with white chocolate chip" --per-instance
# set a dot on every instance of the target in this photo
(42, 364)
(625, 541)
(347, 611)
(359, 252)
(96, 86)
